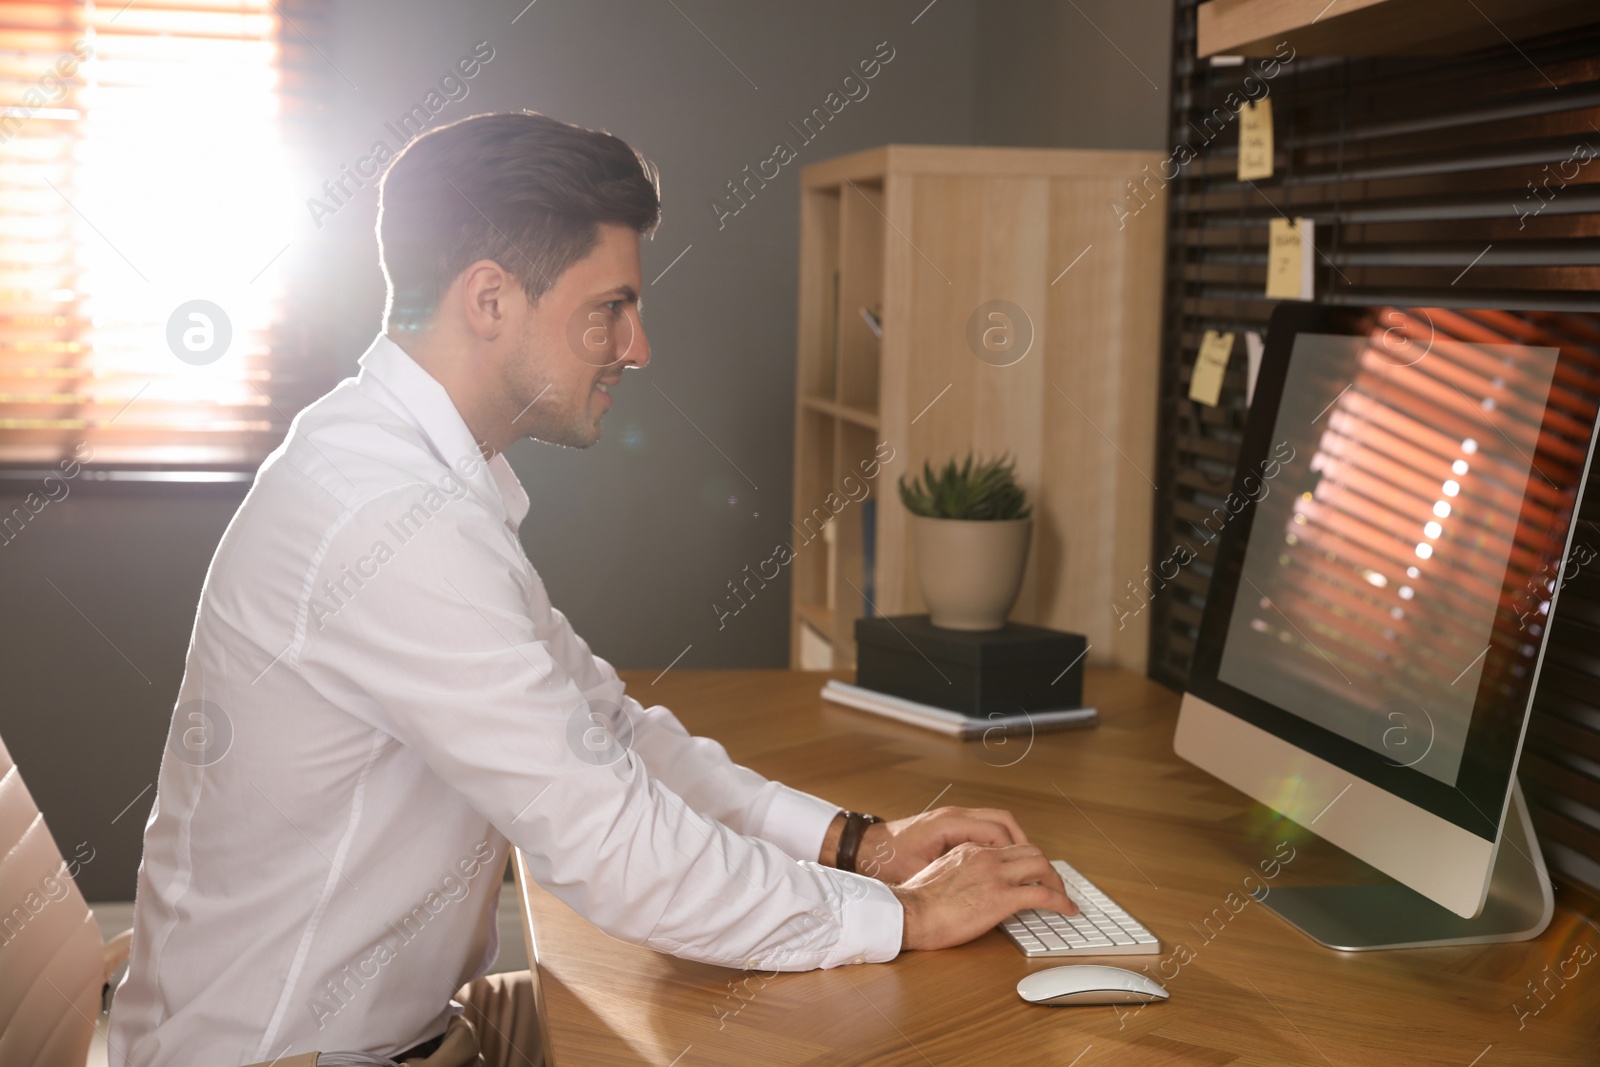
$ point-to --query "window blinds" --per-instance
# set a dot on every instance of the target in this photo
(147, 202)
(1445, 183)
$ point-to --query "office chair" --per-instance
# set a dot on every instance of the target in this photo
(53, 965)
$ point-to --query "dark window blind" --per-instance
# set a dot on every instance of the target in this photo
(1445, 183)
(149, 157)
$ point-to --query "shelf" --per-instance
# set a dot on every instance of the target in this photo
(1377, 27)
(925, 237)
(867, 419)
(818, 615)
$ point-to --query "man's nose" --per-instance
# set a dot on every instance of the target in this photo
(637, 353)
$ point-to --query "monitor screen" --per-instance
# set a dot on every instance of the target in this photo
(1372, 576)
(1396, 536)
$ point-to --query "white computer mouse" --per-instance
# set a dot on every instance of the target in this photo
(1089, 984)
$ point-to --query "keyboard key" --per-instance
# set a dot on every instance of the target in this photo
(1100, 928)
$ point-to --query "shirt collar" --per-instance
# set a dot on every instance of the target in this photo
(418, 396)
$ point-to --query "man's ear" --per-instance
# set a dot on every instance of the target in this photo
(486, 293)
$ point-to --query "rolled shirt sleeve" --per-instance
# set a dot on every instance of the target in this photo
(450, 645)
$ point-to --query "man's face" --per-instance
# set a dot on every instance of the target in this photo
(577, 340)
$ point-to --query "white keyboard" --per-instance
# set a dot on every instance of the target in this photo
(1100, 928)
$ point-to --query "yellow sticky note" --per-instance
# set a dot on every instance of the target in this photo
(1291, 246)
(1255, 140)
(1205, 384)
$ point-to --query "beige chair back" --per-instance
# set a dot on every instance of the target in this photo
(52, 964)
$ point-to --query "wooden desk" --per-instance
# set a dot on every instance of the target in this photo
(1164, 839)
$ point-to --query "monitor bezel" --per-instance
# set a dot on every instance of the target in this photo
(1477, 802)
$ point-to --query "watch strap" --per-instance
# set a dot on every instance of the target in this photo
(855, 826)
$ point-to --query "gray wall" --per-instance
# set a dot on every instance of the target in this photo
(1090, 74)
(635, 537)
(99, 590)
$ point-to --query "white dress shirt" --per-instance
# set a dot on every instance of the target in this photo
(389, 696)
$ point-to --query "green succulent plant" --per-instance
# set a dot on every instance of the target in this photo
(984, 490)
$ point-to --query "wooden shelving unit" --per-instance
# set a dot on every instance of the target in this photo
(921, 237)
(868, 419)
(1377, 27)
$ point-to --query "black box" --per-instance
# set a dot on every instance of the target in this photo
(1018, 668)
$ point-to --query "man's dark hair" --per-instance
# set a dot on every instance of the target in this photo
(517, 187)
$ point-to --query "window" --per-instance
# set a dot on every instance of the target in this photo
(147, 206)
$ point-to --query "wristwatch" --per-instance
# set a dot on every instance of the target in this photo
(855, 825)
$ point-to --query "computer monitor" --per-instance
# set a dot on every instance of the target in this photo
(1401, 514)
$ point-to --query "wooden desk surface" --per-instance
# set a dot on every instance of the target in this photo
(1167, 841)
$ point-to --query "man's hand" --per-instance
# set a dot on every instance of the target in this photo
(895, 851)
(970, 889)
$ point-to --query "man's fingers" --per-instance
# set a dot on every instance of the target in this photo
(1005, 819)
(1053, 880)
(1023, 866)
(1027, 864)
(1033, 872)
(968, 889)
(1043, 898)
(962, 828)
(992, 827)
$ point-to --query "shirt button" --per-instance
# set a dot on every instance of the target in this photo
(859, 959)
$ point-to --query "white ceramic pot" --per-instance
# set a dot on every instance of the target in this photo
(970, 571)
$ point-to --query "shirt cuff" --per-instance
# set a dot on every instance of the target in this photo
(872, 920)
(797, 822)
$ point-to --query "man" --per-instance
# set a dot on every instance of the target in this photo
(403, 703)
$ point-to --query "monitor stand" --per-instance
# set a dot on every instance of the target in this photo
(1356, 918)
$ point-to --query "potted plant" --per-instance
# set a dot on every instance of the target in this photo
(970, 527)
